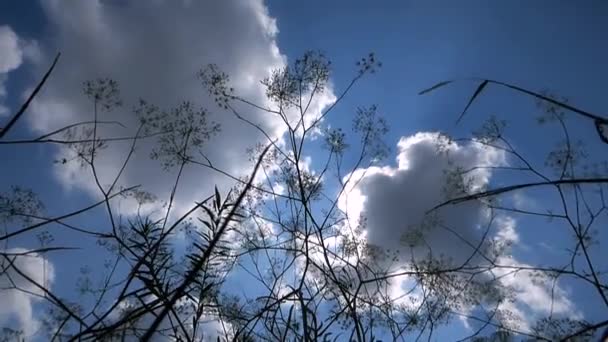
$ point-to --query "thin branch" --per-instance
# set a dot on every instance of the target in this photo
(26, 104)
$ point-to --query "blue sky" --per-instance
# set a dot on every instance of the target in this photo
(557, 45)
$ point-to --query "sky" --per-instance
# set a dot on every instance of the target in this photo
(154, 50)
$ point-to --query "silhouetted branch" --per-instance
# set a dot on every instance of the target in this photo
(26, 104)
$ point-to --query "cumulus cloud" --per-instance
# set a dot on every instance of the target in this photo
(391, 204)
(14, 51)
(17, 294)
(394, 200)
(157, 59)
(534, 294)
(11, 57)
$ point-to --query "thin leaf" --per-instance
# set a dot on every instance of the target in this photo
(438, 85)
(207, 224)
(288, 322)
(602, 130)
(41, 250)
(477, 92)
(218, 199)
(600, 122)
(209, 213)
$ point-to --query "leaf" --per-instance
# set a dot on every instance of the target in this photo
(209, 213)
(218, 199)
(477, 92)
(602, 129)
(289, 315)
(206, 223)
(438, 85)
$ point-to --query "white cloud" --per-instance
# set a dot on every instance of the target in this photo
(394, 199)
(17, 294)
(157, 59)
(13, 52)
(11, 57)
(533, 294)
